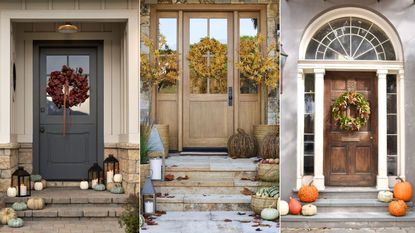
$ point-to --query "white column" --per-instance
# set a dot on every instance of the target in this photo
(133, 79)
(382, 178)
(401, 124)
(300, 128)
(5, 81)
(319, 129)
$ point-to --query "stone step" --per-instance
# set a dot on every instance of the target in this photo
(198, 202)
(208, 175)
(347, 193)
(202, 190)
(352, 205)
(72, 212)
(344, 219)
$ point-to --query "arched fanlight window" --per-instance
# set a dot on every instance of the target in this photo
(350, 38)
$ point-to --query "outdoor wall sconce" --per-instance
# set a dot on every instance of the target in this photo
(111, 167)
(95, 175)
(68, 28)
(148, 196)
(21, 181)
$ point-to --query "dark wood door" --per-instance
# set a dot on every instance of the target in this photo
(67, 157)
(350, 158)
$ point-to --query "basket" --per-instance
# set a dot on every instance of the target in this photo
(260, 131)
(163, 130)
(268, 172)
(260, 203)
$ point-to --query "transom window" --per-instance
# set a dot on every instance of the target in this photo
(350, 38)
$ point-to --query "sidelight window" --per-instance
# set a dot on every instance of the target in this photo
(309, 111)
(392, 125)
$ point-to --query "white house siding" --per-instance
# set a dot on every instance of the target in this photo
(120, 130)
(295, 17)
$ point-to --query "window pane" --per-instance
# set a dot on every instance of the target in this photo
(391, 103)
(391, 84)
(308, 144)
(392, 166)
(392, 124)
(248, 29)
(81, 61)
(55, 63)
(308, 165)
(309, 103)
(198, 29)
(392, 144)
(168, 29)
(309, 83)
(218, 29)
(308, 124)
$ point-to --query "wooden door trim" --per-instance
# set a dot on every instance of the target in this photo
(332, 75)
(209, 7)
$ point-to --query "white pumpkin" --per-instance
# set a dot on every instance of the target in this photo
(385, 196)
(309, 210)
(38, 186)
(269, 214)
(84, 185)
(11, 192)
(283, 207)
(117, 178)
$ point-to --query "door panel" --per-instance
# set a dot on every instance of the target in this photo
(67, 157)
(207, 114)
(350, 158)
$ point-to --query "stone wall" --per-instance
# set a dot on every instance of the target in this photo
(128, 156)
(8, 163)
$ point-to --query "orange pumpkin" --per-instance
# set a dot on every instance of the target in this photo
(402, 190)
(308, 193)
(397, 208)
(294, 206)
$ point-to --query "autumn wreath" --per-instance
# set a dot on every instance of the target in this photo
(341, 111)
(216, 67)
(68, 87)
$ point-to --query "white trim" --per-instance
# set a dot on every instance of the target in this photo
(300, 128)
(382, 178)
(351, 12)
(401, 124)
(319, 128)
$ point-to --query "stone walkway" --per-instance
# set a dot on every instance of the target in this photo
(349, 230)
(209, 222)
(67, 226)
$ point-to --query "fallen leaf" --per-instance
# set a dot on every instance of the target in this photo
(234, 157)
(227, 220)
(174, 165)
(241, 213)
(258, 229)
(160, 213)
(244, 221)
(158, 194)
(182, 177)
(244, 178)
(170, 197)
(255, 225)
(247, 192)
(169, 177)
(264, 225)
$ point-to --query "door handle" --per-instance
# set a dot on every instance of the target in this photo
(230, 96)
(42, 109)
(42, 129)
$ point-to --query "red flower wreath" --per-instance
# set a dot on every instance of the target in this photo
(68, 86)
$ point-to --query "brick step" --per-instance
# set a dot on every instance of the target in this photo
(72, 212)
(352, 205)
(342, 219)
(198, 202)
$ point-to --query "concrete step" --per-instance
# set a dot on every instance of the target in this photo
(199, 202)
(72, 212)
(207, 175)
(344, 219)
(347, 193)
(352, 205)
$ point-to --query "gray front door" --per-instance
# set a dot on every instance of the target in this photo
(67, 157)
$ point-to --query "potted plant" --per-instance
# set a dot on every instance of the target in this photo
(145, 130)
(158, 67)
(260, 66)
(129, 219)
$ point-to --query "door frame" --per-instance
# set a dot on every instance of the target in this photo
(237, 10)
(37, 45)
(373, 125)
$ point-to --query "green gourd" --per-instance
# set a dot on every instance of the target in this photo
(19, 206)
(99, 187)
(269, 214)
(35, 178)
(15, 222)
(117, 189)
(142, 220)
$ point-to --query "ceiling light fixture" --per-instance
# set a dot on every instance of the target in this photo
(68, 28)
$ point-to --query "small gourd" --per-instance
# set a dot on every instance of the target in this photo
(283, 207)
(141, 221)
(38, 186)
(99, 187)
(309, 210)
(397, 208)
(11, 192)
(308, 193)
(110, 185)
(6, 214)
(44, 182)
(269, 214)
(385, 196)
(117, 178)
(84, 185)
(19, 206)
(35, 178)
(36, 203)
(15, 223)
(117, 189)
(295, 206)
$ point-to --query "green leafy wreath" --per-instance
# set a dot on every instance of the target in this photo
(342, 105)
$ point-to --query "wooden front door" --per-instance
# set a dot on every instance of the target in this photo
(207, 104)
(350, 158)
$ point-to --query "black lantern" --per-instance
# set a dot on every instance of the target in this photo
(21, 181)
(148, 196)
(111, 167)
(95, 175)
